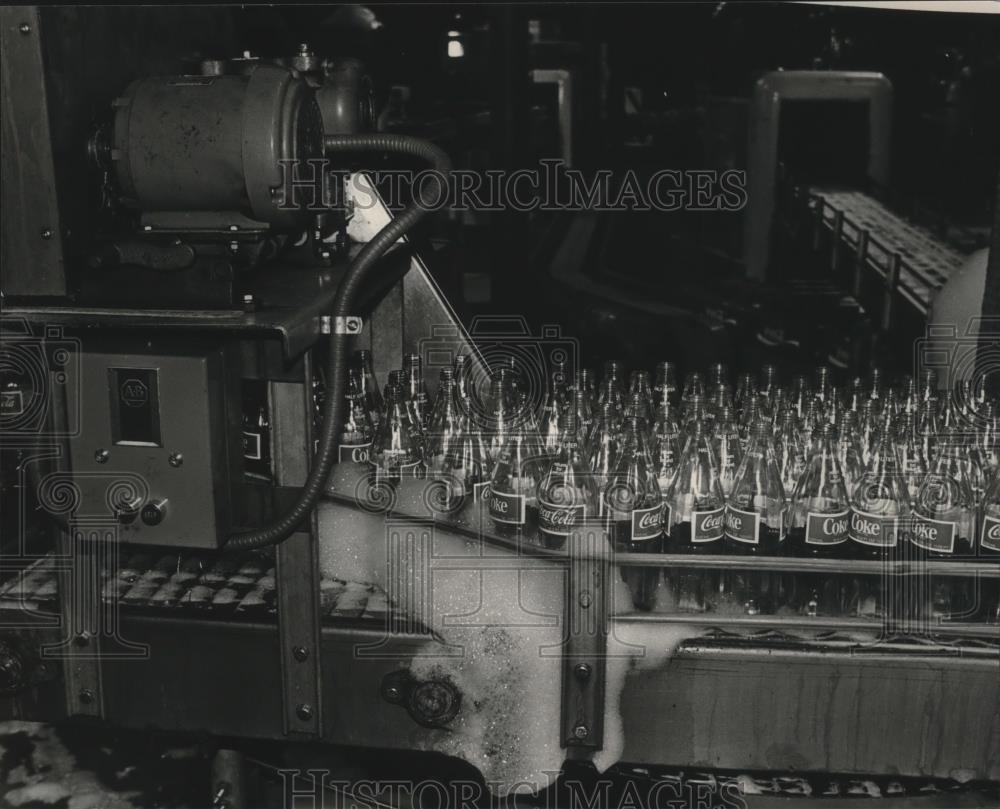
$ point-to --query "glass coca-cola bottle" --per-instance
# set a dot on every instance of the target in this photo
(975, 464)
(463, 370)
(602, 450)
(944, 511)
(567, 494)
(665, 385)
(989, 530)
(694, 386)
(370, 388)
(910, 448)
(666, 448)
(466, 467)
(879, 504)
(856, 395)
(445, 425)
(876, 387)
(800, 395)
(820, 504)
(822, 383)
(415, 393)
(498, 420)
(746, 389)
(755, 508)
(633, 510)
(727, 447)
(584, 385)
(989, 438)
(751, 415)
(849, 452)
(584, 415)
(632, 498)
(790, 451)
(768, 380)
(357, 433)
(943, 526)
(396, 451)
(929, 385)
(512, 500)
(552, 411)
(612, 386)
(695, 504)
(869, 429)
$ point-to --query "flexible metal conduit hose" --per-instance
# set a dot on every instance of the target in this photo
(340, 304)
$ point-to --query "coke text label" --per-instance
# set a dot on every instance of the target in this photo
(826, 529)
(509, 509)
(990, 536)
(354, 453)
(743, 526)
(873, 529)
(708, 526)
(558, 520)
(647, 523)
(933, 535)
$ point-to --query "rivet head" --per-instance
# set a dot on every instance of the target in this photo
(304, 712)
(86, 696)
(101, 456)
(46, 233)
(300, 653)
(582, 671)
(175, 459)
(581, 732)
(24, 28)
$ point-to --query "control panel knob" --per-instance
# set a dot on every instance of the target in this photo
(127, 511)
(154, 511)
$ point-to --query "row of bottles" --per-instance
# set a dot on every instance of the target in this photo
(703, 467)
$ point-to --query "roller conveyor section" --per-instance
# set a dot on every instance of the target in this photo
(234, 585)
(925, 262)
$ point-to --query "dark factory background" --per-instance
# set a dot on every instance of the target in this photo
(651, 87)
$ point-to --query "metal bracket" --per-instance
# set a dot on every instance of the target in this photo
(588, 611)
(349, 325)
(79, 606)
(297, 565)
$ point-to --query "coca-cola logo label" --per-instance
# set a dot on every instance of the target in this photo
(251, 446)
(559, 520)
(647, 523)
(708, 526)
(742, 526)
(873, 529)
(480, 492)
(990, 536)
(933, 535)
(827, 529)
(506, 508)
(354, 453)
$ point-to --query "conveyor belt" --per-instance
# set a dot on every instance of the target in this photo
(242, 585)
(926, 263)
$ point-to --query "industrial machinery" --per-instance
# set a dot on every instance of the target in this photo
(203, 556)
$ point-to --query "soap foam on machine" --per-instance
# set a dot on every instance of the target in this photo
(500, 620)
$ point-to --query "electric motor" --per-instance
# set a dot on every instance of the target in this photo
(216, 143)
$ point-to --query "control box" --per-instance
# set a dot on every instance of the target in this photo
(159, 448)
